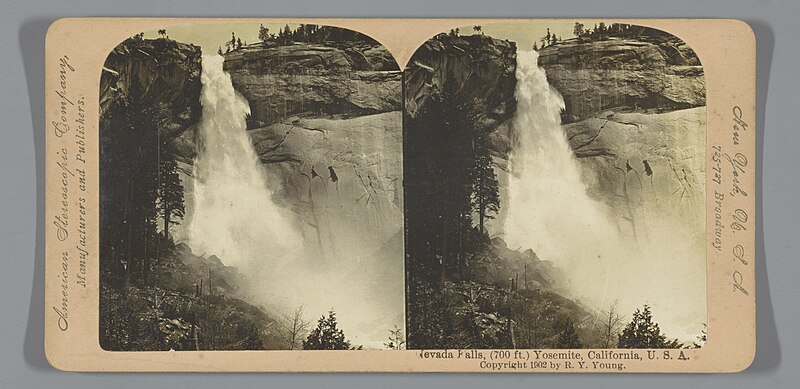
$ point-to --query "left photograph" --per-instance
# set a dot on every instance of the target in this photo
(251, 190)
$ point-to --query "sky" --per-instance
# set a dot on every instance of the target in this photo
(525, 34)
(210, 36)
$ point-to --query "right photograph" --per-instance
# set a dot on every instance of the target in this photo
(554, 188)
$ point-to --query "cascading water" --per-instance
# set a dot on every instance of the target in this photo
(549, 210)
(233, 215)
(548, 207)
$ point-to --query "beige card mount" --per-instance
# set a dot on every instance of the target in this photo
(400, 195)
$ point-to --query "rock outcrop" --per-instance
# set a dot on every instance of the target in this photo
(651, 73)
(315, 79)
(635, 116)
(168, 73)
(327, 125)
(482, 69)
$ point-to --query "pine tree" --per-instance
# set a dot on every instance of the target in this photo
(326, 336)
(568, 337)
(287, 34)
(485, 188)
(578, 29)
(453, 193)
(140, 184)
(642, 332)
(170, 202)
(129, 153)
(263, 34)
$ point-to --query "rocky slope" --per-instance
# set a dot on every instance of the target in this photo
(169, 74)
(327, 125)
(193, 303)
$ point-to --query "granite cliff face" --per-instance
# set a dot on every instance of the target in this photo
(636, 118)
(327, 125)
(168, 73)
(315, 79)
(482, 69)
(655, 73)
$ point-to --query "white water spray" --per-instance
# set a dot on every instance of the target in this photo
(548, 209)
(233, 215)
(547, 197)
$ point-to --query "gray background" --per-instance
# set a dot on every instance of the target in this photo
(22, 33)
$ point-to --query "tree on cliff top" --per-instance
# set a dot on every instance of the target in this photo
(578, 29)
(326, 336)
(263, 34)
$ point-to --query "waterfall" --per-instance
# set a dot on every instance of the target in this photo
(233, 215)
(548, 207)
